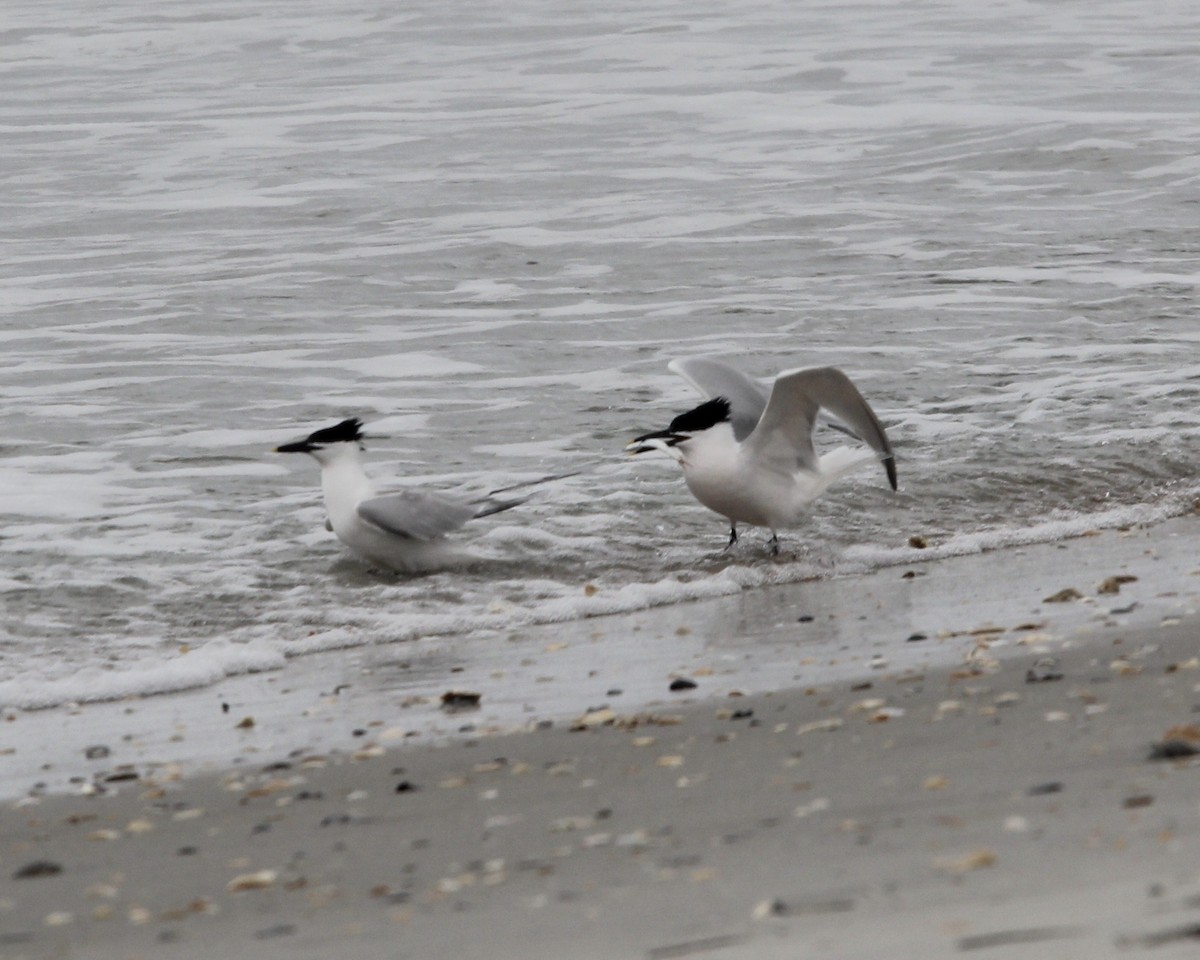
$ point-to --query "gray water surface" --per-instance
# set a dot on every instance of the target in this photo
(486, 228)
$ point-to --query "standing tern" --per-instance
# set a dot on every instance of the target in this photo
(400, 531)
(748, 454)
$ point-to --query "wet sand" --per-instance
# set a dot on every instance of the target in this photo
(1004, 800)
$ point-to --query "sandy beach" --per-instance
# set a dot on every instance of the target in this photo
(993, 773)
(956, 715)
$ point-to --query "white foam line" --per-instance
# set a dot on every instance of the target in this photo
(216, 660)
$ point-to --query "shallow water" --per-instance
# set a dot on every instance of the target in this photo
(486, 229)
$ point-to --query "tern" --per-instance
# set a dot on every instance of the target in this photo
(400, 531)
(748, 454)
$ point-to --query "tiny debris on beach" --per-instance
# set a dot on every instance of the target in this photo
(455, 700)
(1178, 743)
(1065, 595)
(36, 869)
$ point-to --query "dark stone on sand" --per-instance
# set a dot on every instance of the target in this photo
(38, 868)
(1173, 750)
(916, 638)
(461, 700)
(802, 907)
(279, 930)
(682, 683)
(741, 714)
(806, 618)
(97, 752)
(186, 852)
(1042, 789)
(406, 786)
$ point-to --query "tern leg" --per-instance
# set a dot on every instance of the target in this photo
(773, 544)
(732, 536)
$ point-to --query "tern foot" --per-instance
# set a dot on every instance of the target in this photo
(733, 537)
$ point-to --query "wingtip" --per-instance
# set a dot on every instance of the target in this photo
(889, 464)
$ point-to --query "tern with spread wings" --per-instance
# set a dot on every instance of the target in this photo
(748, 454)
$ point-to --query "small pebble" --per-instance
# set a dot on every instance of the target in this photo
(280, 930)
(1042, 789)
(976, 860)
(37, 869)
(460, 700)
(1173, 749)
(1114, 584)
(259, 880)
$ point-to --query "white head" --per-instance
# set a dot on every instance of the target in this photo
(331, 443)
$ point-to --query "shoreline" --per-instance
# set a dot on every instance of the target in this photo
(989, 786)
(762, 639)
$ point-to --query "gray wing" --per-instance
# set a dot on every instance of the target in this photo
(785, 430)
(712, 378)
(418, 514)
